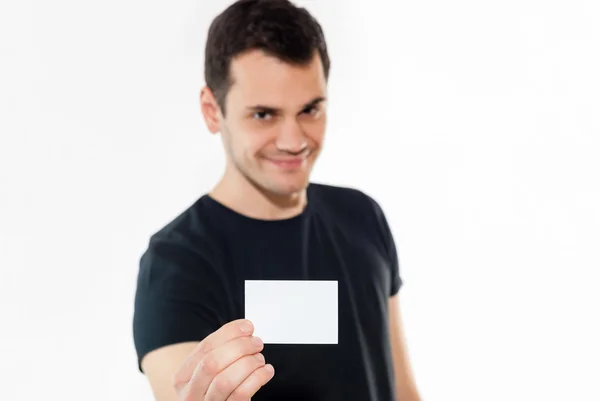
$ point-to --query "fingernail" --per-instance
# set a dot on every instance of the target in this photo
(260, 358)
(257, 341)
(246, 327)
(269, 368)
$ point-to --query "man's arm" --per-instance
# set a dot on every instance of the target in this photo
(406, 388)
(226, 365)
(160, 366)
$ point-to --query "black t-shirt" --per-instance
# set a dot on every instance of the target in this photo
(191, 282)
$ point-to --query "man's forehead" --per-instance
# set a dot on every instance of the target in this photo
(263, 57)
(259, 68)
(277, 85)
(276, 98)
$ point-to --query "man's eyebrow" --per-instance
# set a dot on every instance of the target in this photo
(269, 109)
(314, 102)
(259, 107)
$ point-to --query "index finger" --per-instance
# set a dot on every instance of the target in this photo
(227, 332)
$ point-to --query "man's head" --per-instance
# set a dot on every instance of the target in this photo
(266, 70)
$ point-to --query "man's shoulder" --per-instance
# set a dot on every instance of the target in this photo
(344, 199)
(182, 223)
(188, 233)
(356, 213)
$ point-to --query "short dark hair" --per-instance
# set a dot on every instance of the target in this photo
(277, 27)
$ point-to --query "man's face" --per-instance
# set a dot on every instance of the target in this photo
(275, 121)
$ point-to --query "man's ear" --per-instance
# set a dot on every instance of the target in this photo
(210, 110)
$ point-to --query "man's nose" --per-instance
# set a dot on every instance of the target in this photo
(291, 138)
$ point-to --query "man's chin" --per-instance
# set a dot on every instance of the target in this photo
(287, 188)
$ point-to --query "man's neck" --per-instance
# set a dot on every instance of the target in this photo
(240, 195)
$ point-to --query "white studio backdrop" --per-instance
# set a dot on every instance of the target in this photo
(475, 124)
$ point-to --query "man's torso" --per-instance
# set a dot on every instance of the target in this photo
(336, 238)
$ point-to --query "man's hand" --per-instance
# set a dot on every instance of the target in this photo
(226, 366)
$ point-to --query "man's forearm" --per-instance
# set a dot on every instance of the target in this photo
(408, 396)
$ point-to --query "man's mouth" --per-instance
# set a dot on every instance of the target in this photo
(289, 162)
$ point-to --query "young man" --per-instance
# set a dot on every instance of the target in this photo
(266, 72)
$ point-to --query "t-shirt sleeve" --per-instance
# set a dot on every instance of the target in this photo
(390, 246)
(177, 297)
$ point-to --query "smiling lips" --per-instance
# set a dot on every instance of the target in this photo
(289, 162)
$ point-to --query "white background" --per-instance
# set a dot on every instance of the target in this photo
(474, 123)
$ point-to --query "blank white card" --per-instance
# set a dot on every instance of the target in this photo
(293, 311)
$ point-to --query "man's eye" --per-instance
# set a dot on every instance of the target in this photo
(261, 115)
(311, 110)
